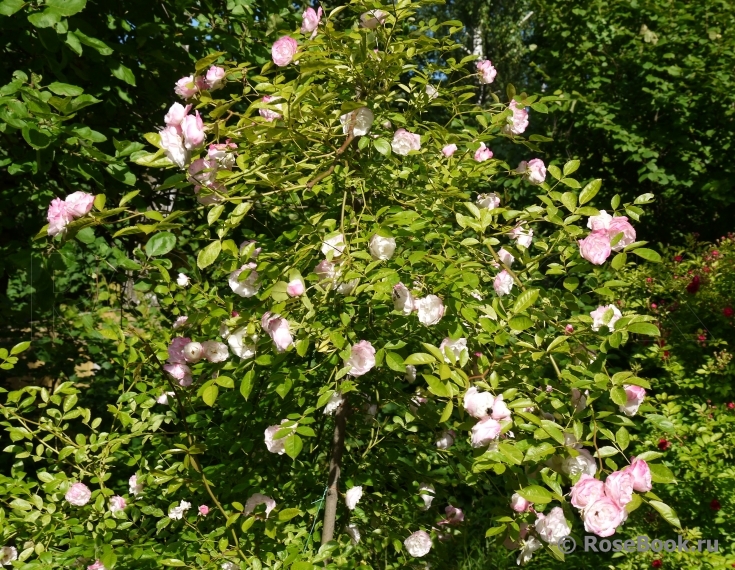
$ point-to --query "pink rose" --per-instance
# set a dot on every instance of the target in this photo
(325, 270)
(135, 488)
(598, 317)
(635, 396)
(284, 50)
(192, 128)
(446, 440)
(278, 329)
(522, 236)
(275, 445)
(186, 87)
(173, 145)
(78, 494)
(220, 154)
(619, 487)
(295, 288)
(58, 217)
(486, 70)
(403, 301)
(620, 224)
(449, 150)
(519, 504)
(215, 77)
(268, 114)
(259, 499)
(404, 142)
(79, 204)
(180, 372)
(362, 358)
(485, 432)
(500, 410)
(603, 517)
(641, 474)
(96, 566)
(310, 21)
(506, 257)
(536, 171)
(215, 351)
(176, 349)
(518, 121)
(601, 222)
(478, 404)
(595, 248)
(483, 153)
(489, 201)
(586, 491)
(503, 283)
(203, 510)
(553, 526)
(117, 504)
(372, 19)
(454, 515)
(176, 114)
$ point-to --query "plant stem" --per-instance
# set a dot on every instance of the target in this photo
(338, 446)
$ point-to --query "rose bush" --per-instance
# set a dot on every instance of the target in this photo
(314, 217)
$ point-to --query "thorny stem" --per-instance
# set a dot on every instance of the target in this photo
(335, 463)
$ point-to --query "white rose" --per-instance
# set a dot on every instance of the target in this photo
(193, 352)
(362, 358)
(404, 142)
(352, 497)
(489, 201)
(455, 347)
(430, 309)
(363, 121)
(215, 351)
(183, 280)
(247, 287)
(418, 544)
(240, 345)
(334, 402)
(403, 301)
(382, 247)
(582, 463)
(334, 244)
(552, 527)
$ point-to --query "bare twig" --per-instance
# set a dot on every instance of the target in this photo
(335, 463)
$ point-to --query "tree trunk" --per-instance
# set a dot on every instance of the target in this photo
(338, 446)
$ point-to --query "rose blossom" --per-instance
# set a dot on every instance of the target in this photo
(620, 224)
(601, 222)
(426, 492)
(403, 301)
(215, 351)
(483, 153)
(522, 236)
(278, 329)
(485, 432)
(284, 50)
(446, 439)
(310, 21)
(96, 566)
(418, 544)
(79, 204)
(220, 154)
(180, 322)
(500, 410)
(579, 398)
(603, 516)
(579, 464)
(455, 347)
(325, 270)
(519, 504)
(7, 555)
(506, 257)
(179, 372)
(598, 317)
(333, 404)
(334, 244)
(634, 398)
(595, 248)
(186, 87)
(295, 288)
(454, 515)
(269, 114)
(135, 488)
(247, 287)
(352, 497)
(503, 283)
(117, 504)
(58, 217)
(381, 247)
(410, 375)
(215, 77)
(241, 347)
(619, 487)
(259, 499)
(478, 404)
(193, 352)
(586, 491)
(486, 70)
(192, 128)
(536, 171)
(430, 309)
(372, 19)
(530, 545)
(404, 142)
(361, 120)
(641, 474)
(203, 510)
(354, 533)
(489, 201)
(347, 287)
(362, 358)
(518, 121)
(552, 527)
(173, 145)
(163, 400)
(449, 150)
(275, 445)
(78, 494)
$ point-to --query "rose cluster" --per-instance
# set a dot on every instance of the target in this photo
(203, 171)
(187, 87)
(183, 133)
(490, 410)
(182, 352)
(62, 212)
(609, 233)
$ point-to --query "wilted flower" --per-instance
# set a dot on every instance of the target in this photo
(352, 497)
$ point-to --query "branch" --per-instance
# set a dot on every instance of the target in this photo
(338, 446)
(339, 153)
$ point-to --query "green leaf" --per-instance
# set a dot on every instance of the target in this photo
(539, 452)
(382, 146)
(661, 474)
(661, 422)
(45, 19)
(160, 244)
(644, 328)
(520, 323)
(437, 387)
(619, 260)
(590, 191)
(214, 214)
(623, 438)
(554, 430)
(94, 43)
(666, 512)
(525, 300)
(37, 139)
(10, 7)
(650, 455)
(395, 361)
(209, 395)
(172, 562)
(293, 445)
(420, 358)
(209, 254)
(618, 395)
(447, 413)
(246, 386)
(20, 347)
(569, 199)
(535, 494)
(207, 61)
(123, 73)
(288, 514)
(571, 167)
(647, 254)
(495, 530)
(65, 89)
(606, 451)
(67, 7)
